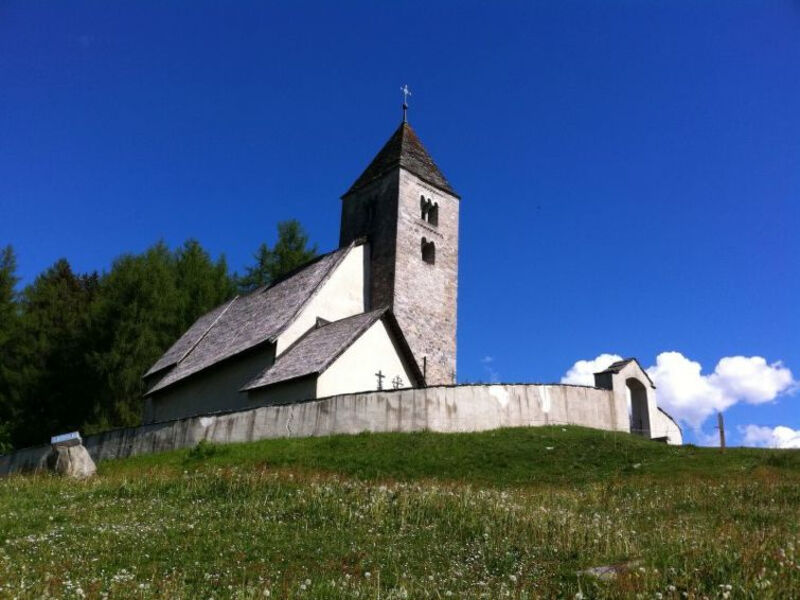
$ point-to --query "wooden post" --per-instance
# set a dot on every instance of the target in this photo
(721, 427)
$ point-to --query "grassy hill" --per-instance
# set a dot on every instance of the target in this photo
(514, 513)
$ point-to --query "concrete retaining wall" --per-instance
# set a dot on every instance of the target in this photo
(443, 409)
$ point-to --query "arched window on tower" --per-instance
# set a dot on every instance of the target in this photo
(433, 214)
(428, 252)
(429, 211)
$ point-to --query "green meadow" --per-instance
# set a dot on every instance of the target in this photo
(515, 513)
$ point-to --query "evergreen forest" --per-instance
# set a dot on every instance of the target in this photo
(74, 346)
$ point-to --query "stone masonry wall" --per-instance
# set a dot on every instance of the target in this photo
(442, 409)
(426, 295)
(371, 212)
(422, 296)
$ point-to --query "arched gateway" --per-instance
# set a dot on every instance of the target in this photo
(639, 416)
(632, 388)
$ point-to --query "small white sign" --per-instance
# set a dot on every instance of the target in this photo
(66, 439)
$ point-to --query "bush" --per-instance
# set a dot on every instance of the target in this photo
(204, 450)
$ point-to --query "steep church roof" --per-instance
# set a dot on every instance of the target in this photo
(404, 149)
(320, 347)
(243, 323)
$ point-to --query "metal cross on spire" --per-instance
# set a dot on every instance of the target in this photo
(406, 94)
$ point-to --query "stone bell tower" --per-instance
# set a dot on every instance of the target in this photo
(408, 212)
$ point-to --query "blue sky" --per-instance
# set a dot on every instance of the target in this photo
(629, 170)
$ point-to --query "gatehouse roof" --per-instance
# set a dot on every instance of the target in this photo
(616, 367)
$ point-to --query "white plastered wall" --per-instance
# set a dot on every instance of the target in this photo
(444, 409)
(658, 423)
(355, 369)
(663, 426)
(342, 295)
(211, 390)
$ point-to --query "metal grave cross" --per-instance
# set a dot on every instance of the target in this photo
(380, 377)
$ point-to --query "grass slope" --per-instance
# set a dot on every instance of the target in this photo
(510, 513)
(505, 457)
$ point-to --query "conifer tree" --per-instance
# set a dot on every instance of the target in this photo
(202, 283)
(291, 250)
(9, 324)
(136, 318)
(53, 376)
(259, 274)
(146, 302)
(8, 283)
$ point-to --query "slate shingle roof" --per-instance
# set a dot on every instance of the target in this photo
(243, 323)
(188, 340)
(620, 364)
(316, 350)
(616, 367)
(404, 149)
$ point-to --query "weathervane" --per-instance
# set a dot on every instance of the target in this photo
(406, 94)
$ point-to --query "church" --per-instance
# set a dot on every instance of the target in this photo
(364, 338)
(360, 339)
(377, 313)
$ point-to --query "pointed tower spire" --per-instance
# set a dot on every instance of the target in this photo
(405, 208)
(404, 149)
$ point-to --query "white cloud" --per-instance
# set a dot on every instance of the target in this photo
(751, 378)
(582, 372)
(704, 438)
(487, 362)
(684, 392)
(769, 437)
(690, 396)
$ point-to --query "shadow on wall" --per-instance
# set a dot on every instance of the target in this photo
(637, 407)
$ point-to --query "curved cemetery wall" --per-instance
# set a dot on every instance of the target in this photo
(443, 409)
